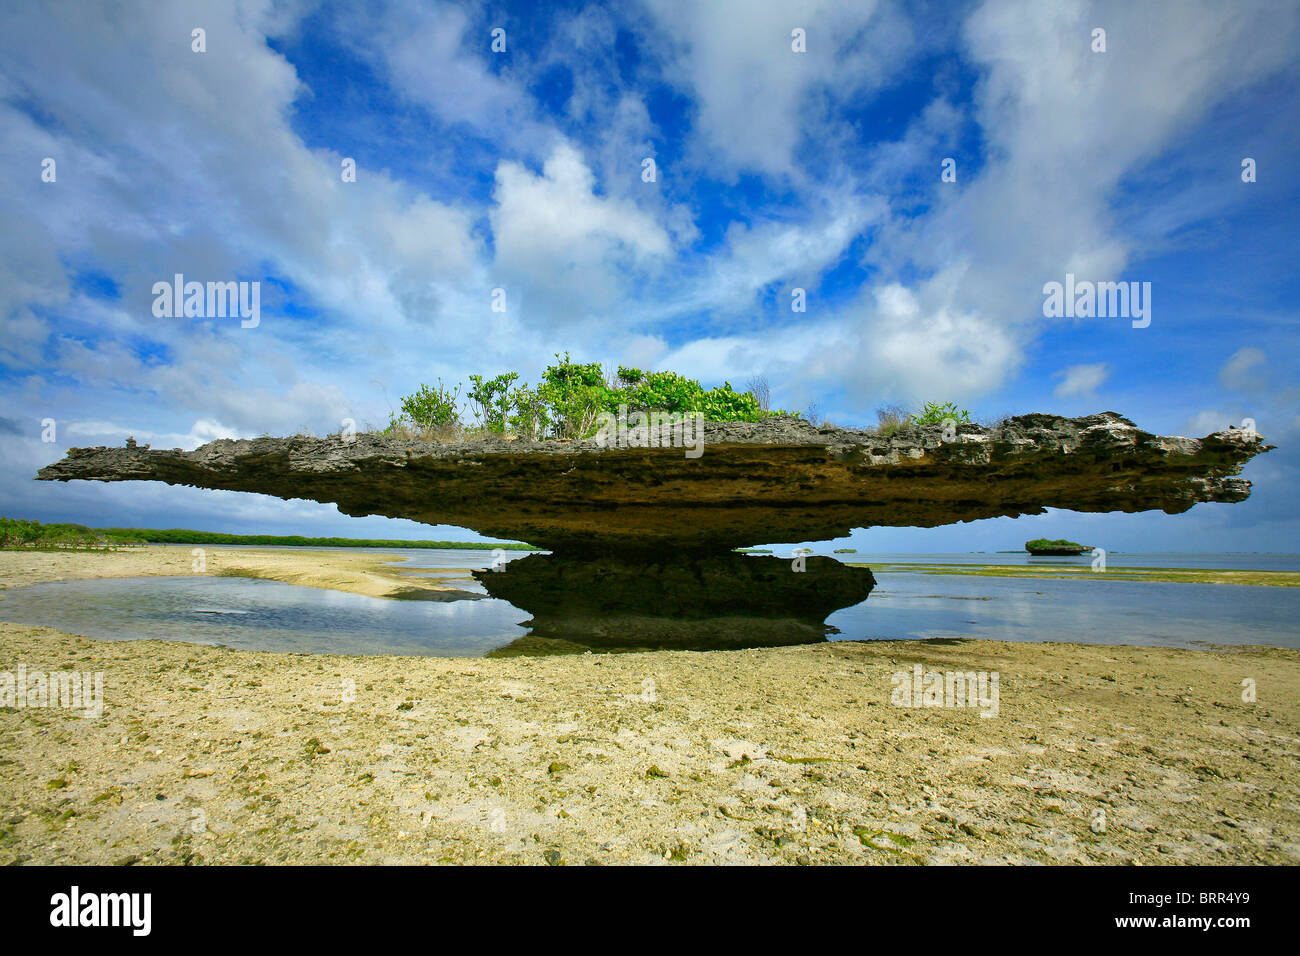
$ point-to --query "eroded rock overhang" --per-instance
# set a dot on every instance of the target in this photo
(755, 483)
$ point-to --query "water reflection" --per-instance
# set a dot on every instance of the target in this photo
(541, 605)
(252, 614)
(687, 602)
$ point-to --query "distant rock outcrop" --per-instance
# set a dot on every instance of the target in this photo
(1042, 547)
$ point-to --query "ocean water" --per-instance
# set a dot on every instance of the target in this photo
(907, 604)
(458, 558)
(1114, 559)
(252, 614)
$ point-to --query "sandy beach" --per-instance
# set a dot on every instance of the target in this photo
(1098, 754)
(374, 574)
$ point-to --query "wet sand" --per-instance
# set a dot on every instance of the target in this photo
(1099, 754)
(374, 574)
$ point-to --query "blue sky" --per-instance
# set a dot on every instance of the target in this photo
(522, 170)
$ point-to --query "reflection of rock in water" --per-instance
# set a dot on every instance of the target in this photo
(686, 602)
(441, 595)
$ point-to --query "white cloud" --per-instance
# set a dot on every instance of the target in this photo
(1209, 420)
(170, 161)
(1240, 372)
(111, 433)
(925, 347)
(1062, 126)
(437, 54)
(755, 95)
(567, 248)
(1081, 380)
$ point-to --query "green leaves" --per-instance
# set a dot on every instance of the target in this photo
(20, 533)
(530, 417)
(570, 399)
(725, 404)
(936, 414)
(432, 407)
(493, 400)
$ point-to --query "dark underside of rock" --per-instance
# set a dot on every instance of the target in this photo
(755, 483)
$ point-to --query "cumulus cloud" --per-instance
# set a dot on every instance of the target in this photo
(1062, 126)
(1240, 372)
(438, 55)
(524, 174)
(760, 101)
(214, 186)
(1080, 380)
(561, 241)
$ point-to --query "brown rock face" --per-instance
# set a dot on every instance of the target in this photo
(755, 483)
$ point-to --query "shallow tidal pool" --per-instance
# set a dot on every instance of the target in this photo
(254, 614)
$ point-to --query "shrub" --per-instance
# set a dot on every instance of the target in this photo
(570, 399)
(21, 533)
(671, 392)
(575, 394)
(493, 400)
(890, 418)
(432, 407)
(666, 391)
(1039, 544)
(936, 414)
(725, 404)
(531, 417)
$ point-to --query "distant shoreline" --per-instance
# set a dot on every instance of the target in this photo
(371, 575)
(1241, 576)
(185, 536)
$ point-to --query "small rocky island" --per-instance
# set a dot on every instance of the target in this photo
(1060, 547)
(643, 538)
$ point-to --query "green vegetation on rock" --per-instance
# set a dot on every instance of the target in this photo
(1045, 544)
(432, 407)
(936, 414)
(569, 401)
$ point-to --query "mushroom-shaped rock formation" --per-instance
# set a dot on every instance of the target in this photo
(777, 480)
(643, 535)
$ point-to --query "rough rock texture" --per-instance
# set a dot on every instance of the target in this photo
(691, 602)
(777, 480)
